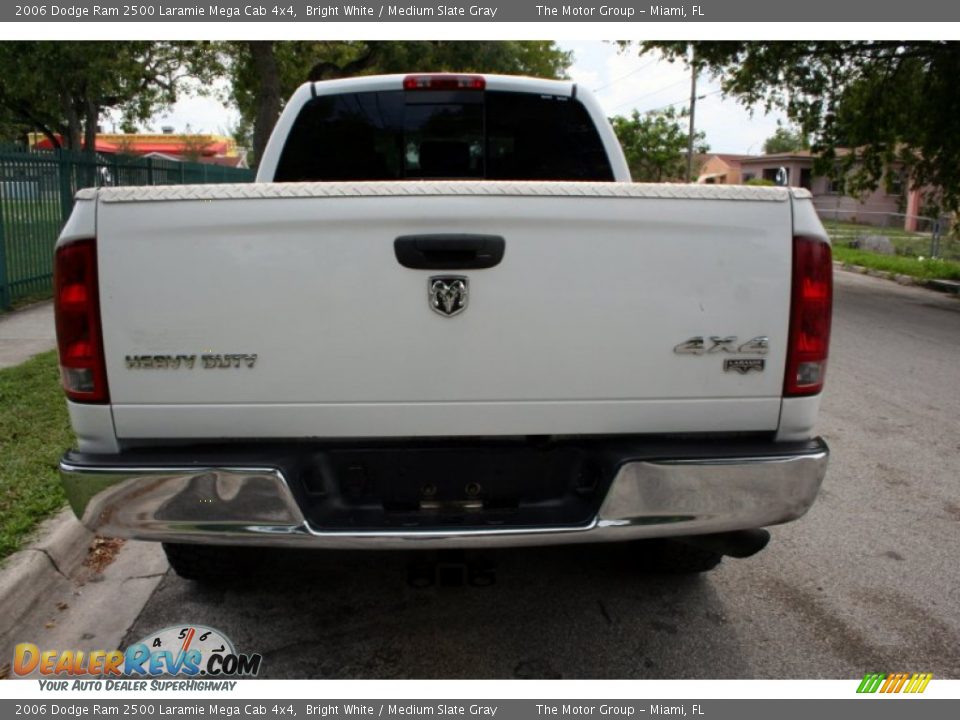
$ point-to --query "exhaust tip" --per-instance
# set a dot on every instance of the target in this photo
(738, 544)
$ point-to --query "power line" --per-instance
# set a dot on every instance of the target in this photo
(623, 77)
(677, 102)
(655, 92)
(616, 80)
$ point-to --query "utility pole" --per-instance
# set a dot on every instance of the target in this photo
(693, 104)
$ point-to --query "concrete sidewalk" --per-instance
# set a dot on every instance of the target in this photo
(24, 333)
(68, 590)
(50, 592)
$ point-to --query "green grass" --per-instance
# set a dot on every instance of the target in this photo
(31, 299)
(910, 247)
(924, 269)
(907, 244)
(34, 432)
(856, 229)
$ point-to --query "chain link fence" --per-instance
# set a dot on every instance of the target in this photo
(887, 233)
(36, 197)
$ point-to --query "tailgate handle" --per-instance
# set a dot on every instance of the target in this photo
(449, 251)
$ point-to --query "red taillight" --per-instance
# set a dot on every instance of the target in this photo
(78, 322)
(810, 310)
(444, 82)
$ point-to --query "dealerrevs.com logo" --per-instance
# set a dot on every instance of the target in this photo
(889, 683)
(189, 651)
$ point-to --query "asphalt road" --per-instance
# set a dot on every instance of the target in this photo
(869, 580)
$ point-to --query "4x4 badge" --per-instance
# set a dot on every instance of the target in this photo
(448, 294)
(759, 345)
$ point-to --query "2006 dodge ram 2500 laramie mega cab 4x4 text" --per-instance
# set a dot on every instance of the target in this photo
(443, 317)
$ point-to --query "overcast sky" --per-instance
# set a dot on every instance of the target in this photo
(627, 81)
(621, 81)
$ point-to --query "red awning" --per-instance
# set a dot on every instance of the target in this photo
(101, 146)
(176, 146)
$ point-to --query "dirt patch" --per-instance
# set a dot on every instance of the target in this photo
(102, 552)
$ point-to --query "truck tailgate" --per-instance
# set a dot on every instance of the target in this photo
(572, 332)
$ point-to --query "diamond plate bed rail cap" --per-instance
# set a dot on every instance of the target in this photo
(258, 191)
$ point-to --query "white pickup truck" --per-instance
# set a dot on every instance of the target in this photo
(443, 317)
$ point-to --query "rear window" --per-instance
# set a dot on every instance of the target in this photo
(396, 135)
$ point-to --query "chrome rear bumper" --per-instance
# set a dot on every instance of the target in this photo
(233, 505)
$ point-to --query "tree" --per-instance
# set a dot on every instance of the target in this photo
(12, 128)
(655, 144)
(264, 73)
(61, 89)
(193, 145)
(888, 101)
(785, 140)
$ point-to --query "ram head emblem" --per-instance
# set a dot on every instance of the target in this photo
(448, 294)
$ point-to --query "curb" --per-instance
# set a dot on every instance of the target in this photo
(48, 564)
(941, 286)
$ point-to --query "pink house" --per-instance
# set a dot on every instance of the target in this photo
(881, 207)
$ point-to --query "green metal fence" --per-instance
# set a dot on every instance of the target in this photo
(36, 197)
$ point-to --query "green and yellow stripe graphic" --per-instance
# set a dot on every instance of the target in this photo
(894, 682)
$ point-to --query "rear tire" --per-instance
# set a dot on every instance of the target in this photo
(673, 557)
(212, 563)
